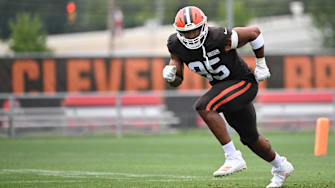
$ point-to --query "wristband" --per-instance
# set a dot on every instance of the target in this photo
(258, 42)
(260, 61)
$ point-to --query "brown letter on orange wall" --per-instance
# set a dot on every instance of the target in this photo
(49, 76)
(134, 81)
(297, 72)
(115, 72)
(324, 71)
(158, 82)
(76, 83)
(20, 68)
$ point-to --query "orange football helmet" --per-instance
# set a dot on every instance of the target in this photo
(191, 18)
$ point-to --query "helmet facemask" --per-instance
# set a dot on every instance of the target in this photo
(196, 42)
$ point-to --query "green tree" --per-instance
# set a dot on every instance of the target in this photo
(214, 9)
(241, 15)
(51, 12)
(136, 13)
(27, 34)
(323, 16)
(264, 8)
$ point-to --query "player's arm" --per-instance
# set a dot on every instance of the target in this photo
(242, 35)
(252, 35)
(173, 73)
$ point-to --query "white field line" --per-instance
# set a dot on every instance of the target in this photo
(84, 174)
(39, 181)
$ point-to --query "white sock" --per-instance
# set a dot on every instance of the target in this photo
(229, 148)
(277, 161)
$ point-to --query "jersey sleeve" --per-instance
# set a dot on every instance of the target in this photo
(171, 44)
(225, 35)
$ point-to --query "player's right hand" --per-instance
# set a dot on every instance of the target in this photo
(262, 71)
(169, 73)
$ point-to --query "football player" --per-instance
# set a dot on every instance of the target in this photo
(211, 52)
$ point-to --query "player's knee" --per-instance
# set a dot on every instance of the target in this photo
(267, 145)
(200, 106)
(203, 113)
(260, 142)
(250, 140)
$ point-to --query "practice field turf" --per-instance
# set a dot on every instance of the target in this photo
(185, 159)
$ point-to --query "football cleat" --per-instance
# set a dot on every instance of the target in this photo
(234, 163)
(280, 174)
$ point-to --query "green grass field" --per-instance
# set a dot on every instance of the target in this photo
(185, 159)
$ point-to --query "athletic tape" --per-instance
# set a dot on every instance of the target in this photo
(258, 42)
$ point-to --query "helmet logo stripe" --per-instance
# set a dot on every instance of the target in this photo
(184, 13)
(187, 15)
(190, 14)
(180, 19)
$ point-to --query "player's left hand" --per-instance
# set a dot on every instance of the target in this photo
(261, 72)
